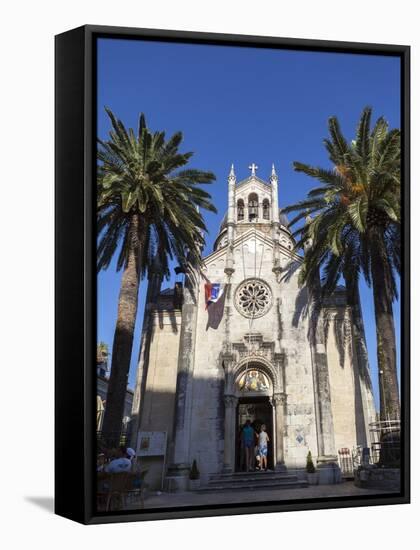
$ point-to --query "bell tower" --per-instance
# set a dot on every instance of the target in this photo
(253, 204)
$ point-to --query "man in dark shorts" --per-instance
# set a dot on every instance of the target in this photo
(248, 441)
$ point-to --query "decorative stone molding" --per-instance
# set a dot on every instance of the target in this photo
(256, 354)
(279, 399)
(279, 360)
(230, 401)
(228, 360)
(254, 347)
(229, 268)
(277, 270)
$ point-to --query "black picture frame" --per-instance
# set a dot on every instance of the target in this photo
(75, 273)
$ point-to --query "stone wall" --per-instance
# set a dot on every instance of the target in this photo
(341, 373)
(299, 383)
(159, 399)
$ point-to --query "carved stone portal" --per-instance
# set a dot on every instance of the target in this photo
(253, 369)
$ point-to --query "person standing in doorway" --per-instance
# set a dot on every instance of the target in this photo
(248, 441)
(263, 440)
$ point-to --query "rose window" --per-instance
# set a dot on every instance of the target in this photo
(253, 298)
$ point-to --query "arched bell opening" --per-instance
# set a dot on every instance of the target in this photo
(253, 207)
(266, 209)
(240, 207)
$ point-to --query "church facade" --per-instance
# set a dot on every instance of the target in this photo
(238, 342)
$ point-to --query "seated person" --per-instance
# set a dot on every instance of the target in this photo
(131, 454)
(122, 463)
(100, 462)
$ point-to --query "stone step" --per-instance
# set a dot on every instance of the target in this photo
(247, 475)
(252, 481)
(252, 485)
(262, 478)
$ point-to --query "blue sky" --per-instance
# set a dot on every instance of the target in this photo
(241, 105)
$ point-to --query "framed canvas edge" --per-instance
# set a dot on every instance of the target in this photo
(70, 363)
(84, 486)
(244, 40)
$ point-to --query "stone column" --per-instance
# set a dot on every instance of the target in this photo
(365, 408)
(274, 434)
(231, 218)
(230, 434)
(275, 220)
(327, 459)
(320, 373)
(231, 221)
(274, 196)
(179, 466)
(325, 425)
(279, 402)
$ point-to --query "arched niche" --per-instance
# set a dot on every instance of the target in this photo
(254, 379)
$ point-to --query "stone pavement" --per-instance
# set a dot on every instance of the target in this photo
(154, 500)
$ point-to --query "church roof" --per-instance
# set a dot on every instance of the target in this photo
(252, 178)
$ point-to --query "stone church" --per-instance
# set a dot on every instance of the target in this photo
(205, 367)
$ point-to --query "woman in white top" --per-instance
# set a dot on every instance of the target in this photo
(263, 440)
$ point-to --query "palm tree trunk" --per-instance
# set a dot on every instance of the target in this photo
(385, 331)
(123, 340)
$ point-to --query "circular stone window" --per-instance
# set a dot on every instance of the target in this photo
(253, 298)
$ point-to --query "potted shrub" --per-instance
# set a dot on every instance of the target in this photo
(194, 476)
(310, 470)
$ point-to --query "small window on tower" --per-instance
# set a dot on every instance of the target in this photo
(253, 207)
(266, 209)
(241, 210)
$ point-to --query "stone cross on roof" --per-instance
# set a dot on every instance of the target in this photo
(253, 168)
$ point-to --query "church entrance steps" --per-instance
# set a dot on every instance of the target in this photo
(269, 474)
(252, 481)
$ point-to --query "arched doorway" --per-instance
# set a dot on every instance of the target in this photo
(254, 390)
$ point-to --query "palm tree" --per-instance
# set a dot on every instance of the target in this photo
(356, 230)
(147, 212)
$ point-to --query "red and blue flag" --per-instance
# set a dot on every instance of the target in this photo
(213, 292)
